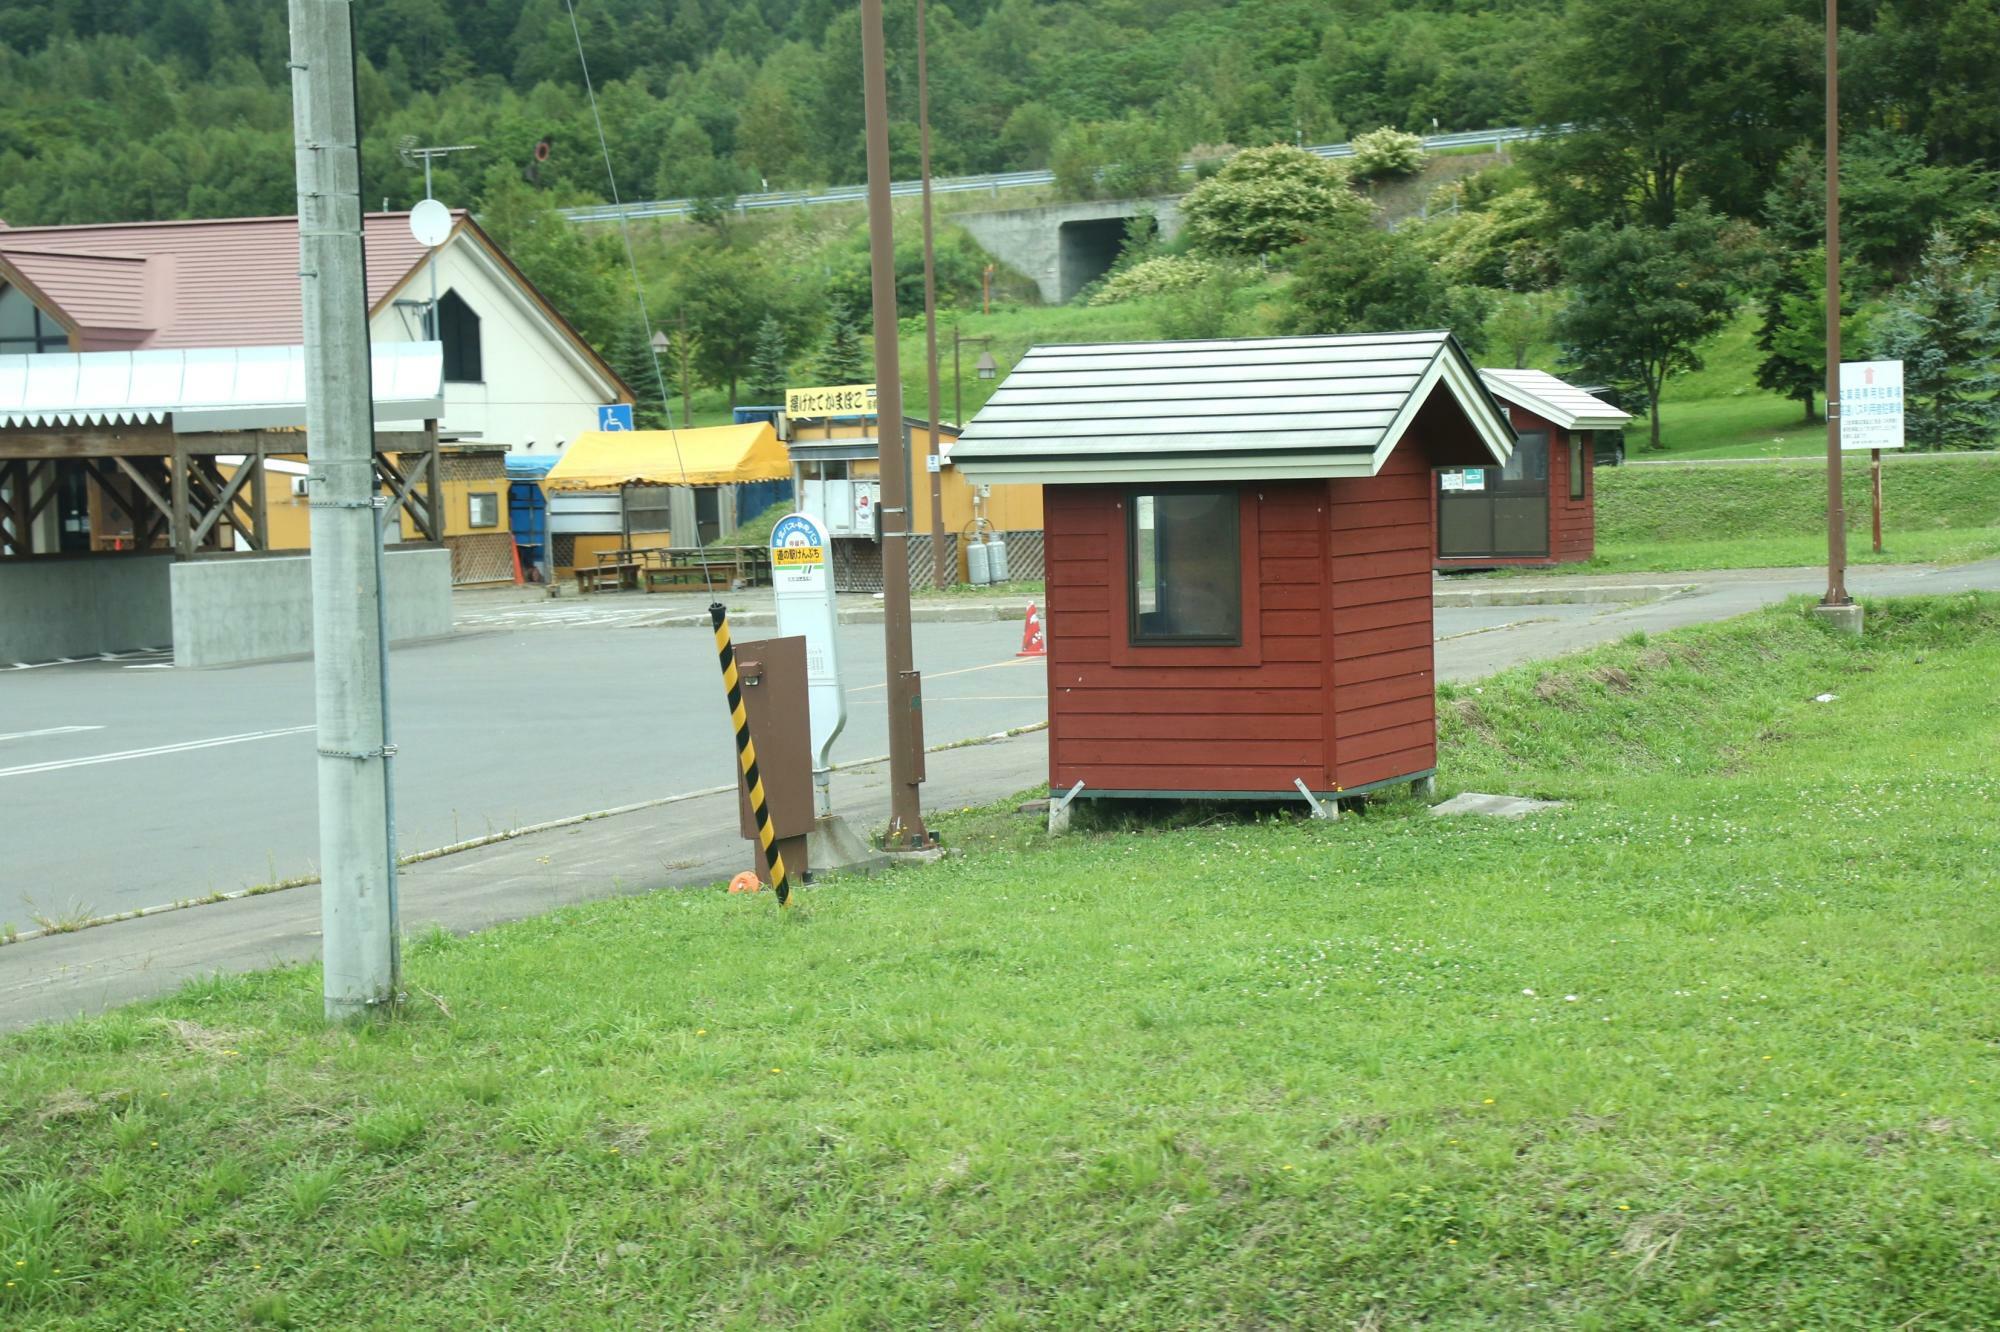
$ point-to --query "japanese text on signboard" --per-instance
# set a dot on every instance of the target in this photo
(831, 400)
(1871, 404)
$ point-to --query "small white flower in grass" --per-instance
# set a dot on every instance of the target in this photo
(1529, 993)
(1569, 998)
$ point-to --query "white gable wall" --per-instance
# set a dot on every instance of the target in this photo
(536, 389)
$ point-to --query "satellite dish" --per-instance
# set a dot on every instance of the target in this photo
(430, 223)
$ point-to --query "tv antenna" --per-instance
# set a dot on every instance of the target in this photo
(430, 221)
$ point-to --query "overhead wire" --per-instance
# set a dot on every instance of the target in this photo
(632, 262)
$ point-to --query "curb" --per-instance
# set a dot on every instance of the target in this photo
(1601, 594)
(490, 839)
(976, 613)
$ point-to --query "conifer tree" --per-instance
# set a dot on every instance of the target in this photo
(766, 378)
(843, 360)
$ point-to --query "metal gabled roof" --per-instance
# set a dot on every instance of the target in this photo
(1555, 401)
(1220, 409)
(205, 388)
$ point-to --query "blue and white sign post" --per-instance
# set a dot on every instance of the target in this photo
(615, 416)
(802, 578)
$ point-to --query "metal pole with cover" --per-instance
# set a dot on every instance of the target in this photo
(357, 881)
(906, 732)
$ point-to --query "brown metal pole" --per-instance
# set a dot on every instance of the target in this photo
(933, 462)
(687, 402)
(1836, 512)
(1875, 490)
(906, 819)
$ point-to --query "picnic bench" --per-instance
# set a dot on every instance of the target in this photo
(715, 568)
(718, 568)
(614, 569)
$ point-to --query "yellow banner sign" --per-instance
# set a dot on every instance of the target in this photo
(833, 400)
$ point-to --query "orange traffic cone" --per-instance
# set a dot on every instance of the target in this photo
(1034, 643)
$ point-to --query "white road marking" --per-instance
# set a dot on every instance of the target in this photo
(963, 670)
(184, 747)
(72, 661)
(152, 666)
(48, 730)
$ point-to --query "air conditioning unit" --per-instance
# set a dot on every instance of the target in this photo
(301, 485)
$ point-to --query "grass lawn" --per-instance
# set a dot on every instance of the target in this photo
(1714, 1046)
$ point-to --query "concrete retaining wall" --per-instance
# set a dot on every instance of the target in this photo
(79, 607)
(229, 611)
(1064, 246)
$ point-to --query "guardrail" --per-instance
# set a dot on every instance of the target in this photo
(993, 183)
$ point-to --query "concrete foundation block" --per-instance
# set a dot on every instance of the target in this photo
(1493, 806)
(83, 605)
(235, 609)
(833, 847)
(1846, 619)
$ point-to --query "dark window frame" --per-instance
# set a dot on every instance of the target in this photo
(472, 498)
(1135, 636)
(45, 336)
(1577, 463)
(458, 329)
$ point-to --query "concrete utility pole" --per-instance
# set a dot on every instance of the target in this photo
(357, 885)
(934, 460)
(906, 731)
(1836, 605)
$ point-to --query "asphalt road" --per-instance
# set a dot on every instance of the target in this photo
(127, 784)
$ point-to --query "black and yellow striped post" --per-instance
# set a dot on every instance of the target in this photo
(746, 753)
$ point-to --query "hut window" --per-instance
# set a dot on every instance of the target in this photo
(1186, 566)
(482, 509)
(1576, 467)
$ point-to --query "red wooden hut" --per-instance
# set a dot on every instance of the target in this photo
(1239, 544)
(1541, 507)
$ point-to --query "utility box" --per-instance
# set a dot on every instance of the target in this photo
(773, 676)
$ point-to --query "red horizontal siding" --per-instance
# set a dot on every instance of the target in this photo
(1191, 726)
(1144, 704)
(1381, 707)
(1159, 724)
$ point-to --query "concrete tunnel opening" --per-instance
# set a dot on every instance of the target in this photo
(1087, 249)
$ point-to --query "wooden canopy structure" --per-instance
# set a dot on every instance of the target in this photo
(177, 443)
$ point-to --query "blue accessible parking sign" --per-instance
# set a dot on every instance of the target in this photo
(615, 416)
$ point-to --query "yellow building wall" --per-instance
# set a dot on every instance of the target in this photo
(1008, 508)
(589, 545)
(291, 515)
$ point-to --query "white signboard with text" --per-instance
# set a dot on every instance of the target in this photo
(1871, 405)
(802, 578)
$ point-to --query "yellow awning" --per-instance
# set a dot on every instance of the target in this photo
(712, 456)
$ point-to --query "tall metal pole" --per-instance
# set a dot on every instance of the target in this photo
(1836, 509)
(906, 818)
(934, 462)
(357, 906)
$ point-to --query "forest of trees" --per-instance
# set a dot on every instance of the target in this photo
(114, 109)
(1685, 187)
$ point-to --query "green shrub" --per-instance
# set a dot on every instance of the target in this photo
(1387, 152)
(1265, 200)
